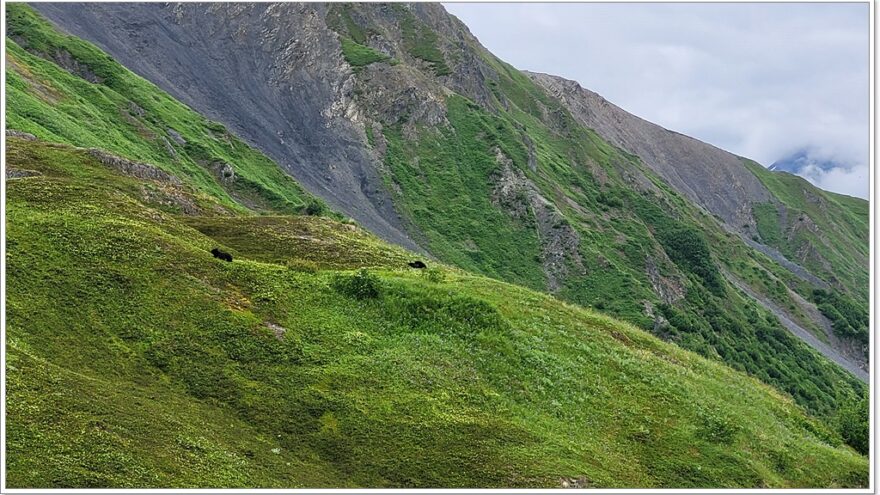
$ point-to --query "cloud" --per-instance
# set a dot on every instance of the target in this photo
(760, 80)
(850, 181)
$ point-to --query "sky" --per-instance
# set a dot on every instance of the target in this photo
(760, 80)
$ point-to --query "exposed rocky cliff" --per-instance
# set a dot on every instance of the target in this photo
(273, 73)
(709, 176)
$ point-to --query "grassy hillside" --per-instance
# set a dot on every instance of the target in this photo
(289, 368)
(137, 359)
(520, 193)
(63, 89)
(828, 234)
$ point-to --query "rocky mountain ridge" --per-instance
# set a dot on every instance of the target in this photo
(711, 177)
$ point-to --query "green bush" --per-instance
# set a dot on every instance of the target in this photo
(434, 274)
(609, 199)
(689, 250)
(361, 285)
(847, 318)
(716, 426)
(853, 425)
(299, 265)
(435, 311)
(314, 208)
(358, 55)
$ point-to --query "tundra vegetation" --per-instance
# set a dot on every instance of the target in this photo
(318, 358)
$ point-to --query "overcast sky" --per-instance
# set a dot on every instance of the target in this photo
(759, 80)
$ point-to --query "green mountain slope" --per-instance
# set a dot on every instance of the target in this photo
(805, 220)
(507, 173)
(828, 234)
(511, 186)
(52, 92)
(137, 359)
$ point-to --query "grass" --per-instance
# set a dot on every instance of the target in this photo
(136, 359)
(420, 42)
(446, 178)
(452, 204)
(767, 220)
(353, 37)
(339, 19)
(445, 181)
(358, 55)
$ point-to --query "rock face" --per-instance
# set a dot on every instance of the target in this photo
(522, 200)
(272, 73)
(709, 176)
(132, 168)
(20, 173)
(20, 135)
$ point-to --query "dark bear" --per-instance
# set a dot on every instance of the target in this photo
(417, 264)
(222, 255)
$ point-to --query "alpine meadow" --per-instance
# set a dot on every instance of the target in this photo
(343, 245)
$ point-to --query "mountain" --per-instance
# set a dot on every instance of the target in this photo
(397, 118)
(710, 177)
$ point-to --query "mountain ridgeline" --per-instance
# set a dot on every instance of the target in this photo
(264, 128)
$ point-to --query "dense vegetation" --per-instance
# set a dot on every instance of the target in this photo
(136, 359)
(854, 424)
(848, 319)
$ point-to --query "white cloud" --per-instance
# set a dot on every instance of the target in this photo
(760, 80)
(849, 181)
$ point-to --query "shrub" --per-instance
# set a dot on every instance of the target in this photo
(434, 274)
(716, 426)
(689, 250)
(432, 310)
(848, 319)
(362, 285)
(609, 199)
(299, 265)
(853, 426)
(314, 208)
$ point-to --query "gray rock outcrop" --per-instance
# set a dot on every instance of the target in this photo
(711, 177)
(273, 73)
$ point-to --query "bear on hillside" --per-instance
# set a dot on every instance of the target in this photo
(221, 255)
